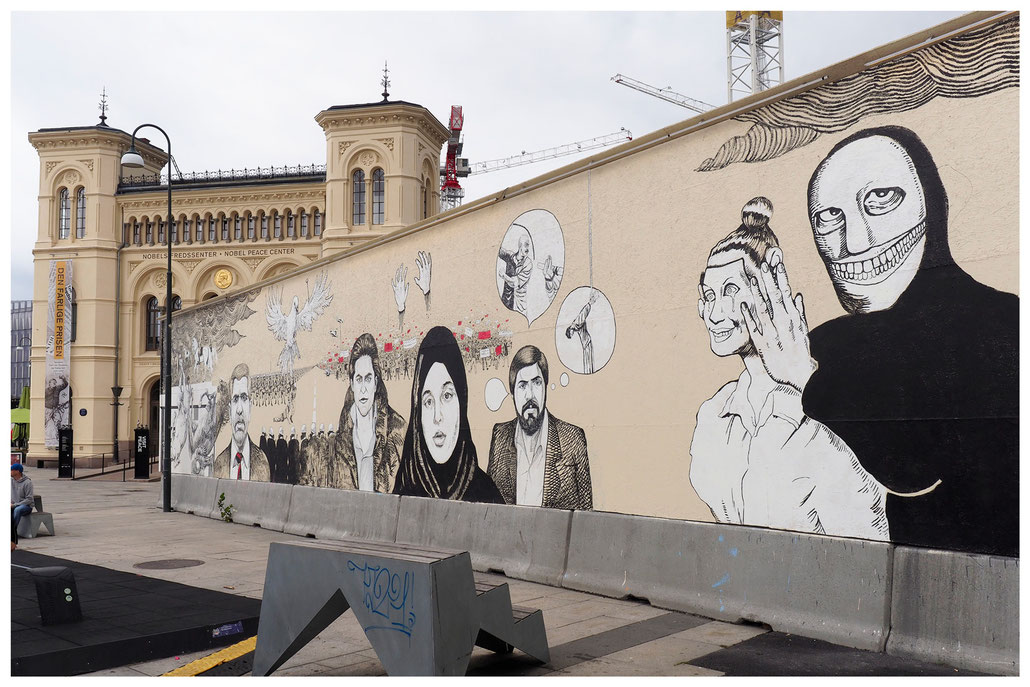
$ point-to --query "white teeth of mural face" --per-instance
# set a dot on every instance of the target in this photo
(877, 265)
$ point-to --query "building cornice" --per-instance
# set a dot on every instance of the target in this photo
(96, 137)
(384, 116)
(157, 200)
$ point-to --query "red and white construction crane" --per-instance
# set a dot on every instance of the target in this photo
(455, 167)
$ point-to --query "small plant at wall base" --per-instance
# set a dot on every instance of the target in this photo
(224, 510)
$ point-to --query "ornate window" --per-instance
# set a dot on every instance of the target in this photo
(425, 200)
(150, 232)
(225, 228)
(358, 184)
(291, 226)
(378, 196)
(318, 222)
(80, 213)
(250, 228)
(175, 231)
(161, 231)
(237, 228)
(277, 225)
(153, 324)
(304, 223)
(136, 229)
(187, 228)
(64, 219)
(264, 226)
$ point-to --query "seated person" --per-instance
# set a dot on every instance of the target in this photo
(22, 495)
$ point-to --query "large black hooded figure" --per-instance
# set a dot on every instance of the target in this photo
(920, 379)
(444, 463)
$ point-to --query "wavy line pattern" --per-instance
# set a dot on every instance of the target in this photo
(967, 66)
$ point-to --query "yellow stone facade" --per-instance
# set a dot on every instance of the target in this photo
(229, 230)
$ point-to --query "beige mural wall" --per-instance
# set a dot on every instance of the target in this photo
(640, 230)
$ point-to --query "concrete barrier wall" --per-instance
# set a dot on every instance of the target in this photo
(339, 513)
(524, 543)
(822, 587)
(256, 503)
(869, 595)
(956, 608)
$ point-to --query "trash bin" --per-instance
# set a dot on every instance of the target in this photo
(58, 598)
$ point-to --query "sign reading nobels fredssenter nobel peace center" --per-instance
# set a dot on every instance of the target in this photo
(804, 316)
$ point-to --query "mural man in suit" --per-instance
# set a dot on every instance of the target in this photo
(536, 459)
(241, 459)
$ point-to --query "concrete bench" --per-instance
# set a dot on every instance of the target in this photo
(420, 608)
(28, 526)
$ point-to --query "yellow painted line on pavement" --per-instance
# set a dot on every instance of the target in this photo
(219, 657)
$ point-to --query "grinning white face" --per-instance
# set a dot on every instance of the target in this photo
(868, 213)
(441, 413)
(725, 288)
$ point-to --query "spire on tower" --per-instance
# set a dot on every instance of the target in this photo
(103, 107)
(386, 81)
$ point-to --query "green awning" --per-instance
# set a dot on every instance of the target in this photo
(20, 415)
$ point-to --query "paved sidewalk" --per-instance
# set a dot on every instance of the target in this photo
(119, 525)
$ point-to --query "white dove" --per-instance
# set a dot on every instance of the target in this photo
(285, 326)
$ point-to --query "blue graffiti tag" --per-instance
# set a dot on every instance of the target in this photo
(388, 596)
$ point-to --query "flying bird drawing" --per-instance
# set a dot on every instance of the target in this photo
(285, 326)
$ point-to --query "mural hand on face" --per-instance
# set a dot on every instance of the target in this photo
(778, 328)
(400, 291)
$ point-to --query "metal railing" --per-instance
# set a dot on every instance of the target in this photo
(207, 176)
(104, 463)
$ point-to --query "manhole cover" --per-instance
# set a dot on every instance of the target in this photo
(169, 564)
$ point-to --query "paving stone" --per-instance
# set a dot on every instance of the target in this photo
(722, 634)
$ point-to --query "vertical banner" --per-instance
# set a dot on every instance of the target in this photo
(57, 398)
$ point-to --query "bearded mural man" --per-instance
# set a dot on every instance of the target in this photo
(536, 459)
(920, 377)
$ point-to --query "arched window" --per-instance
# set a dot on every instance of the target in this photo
(150, 232)
(125, 233)
(80, 213)
(175, 231)
(161, 231)
(378, 196)
(237, 228)
(64, 219)
(75, 312)
(212, 231)
(304, 223)
(358, 184)
(187, 230)
(225, 228)
(250, 228)
(425, 199)
(277, 225)
(291, 226)
(137, 228)
(153, 324)
(318, 222)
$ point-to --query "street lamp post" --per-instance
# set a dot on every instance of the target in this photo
(134, 160)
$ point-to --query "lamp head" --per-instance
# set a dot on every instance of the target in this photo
(131, 158)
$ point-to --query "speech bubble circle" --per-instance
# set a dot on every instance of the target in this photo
(530, 264)
(495, 394)
(584, 332)
(564, 378)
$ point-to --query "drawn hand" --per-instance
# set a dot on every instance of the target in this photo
(778, 328)
(424, 262)
(400, 287)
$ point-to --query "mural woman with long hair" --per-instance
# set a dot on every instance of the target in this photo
(439, 458)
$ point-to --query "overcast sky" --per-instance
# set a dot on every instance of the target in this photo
(237, 90)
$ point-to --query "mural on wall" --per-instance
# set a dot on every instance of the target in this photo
(533, 245)
(966, 66)
(755, 458)
(537, 459)
(284, 326)
(424, 263)
(439, 457)
(585, 331)
(920, 377)
(367, 448)
(242, 458)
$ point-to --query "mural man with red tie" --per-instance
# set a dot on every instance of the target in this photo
(242, 459)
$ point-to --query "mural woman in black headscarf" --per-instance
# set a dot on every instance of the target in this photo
(920, 377)
(439, 459)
